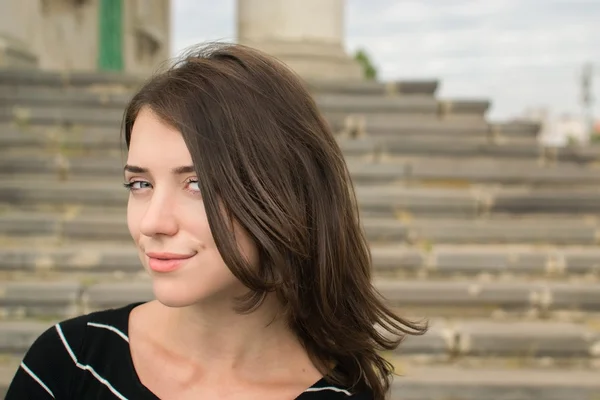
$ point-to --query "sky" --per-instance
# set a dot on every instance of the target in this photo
(518, 54)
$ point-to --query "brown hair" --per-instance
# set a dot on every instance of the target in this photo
(264, 153)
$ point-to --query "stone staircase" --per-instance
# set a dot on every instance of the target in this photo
(472, 225)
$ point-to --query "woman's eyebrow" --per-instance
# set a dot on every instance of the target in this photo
(186, 169)
(134, 169)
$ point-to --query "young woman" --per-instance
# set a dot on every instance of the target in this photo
(244, 216)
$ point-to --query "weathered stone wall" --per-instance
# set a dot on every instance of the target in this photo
(64, 34)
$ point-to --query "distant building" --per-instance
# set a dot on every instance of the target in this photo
(85, 35)
(558, 130)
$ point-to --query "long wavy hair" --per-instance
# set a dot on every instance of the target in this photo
(263, 152)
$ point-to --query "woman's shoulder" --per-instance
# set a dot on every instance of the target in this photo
(74, 335)
(324, 390)
(334, 393)
(64, 349)
(75, 331)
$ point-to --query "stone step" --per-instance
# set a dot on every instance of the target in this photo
(448, 108)
(376, 148)
(80, 141)
(29, 96)
(515, 128)
(60, 79)
(73, 225)
(28, 192)
(490, 298)
(406, 170)
(75, 140)
(493, 383)
(331, 103)
(569, 301)
(506, 230)
(120, 261)
(86, 79)
(461, 383)
(380, 124)
(426, 88)
(456, 383)
(97, 141)
(57, 79)
(420, 170)
(448, 339)
(388, 125)
(393, 201)
(447, 261)
(510, 148)
(33, 97)
(41, 299)
(445, 340)
(61, 115)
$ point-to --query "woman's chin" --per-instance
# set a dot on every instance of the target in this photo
(172, 295)
(182, 293)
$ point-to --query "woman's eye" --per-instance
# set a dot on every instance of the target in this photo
(137, 185)
(193, 185)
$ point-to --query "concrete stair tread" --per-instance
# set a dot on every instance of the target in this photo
(430, 297)
(526, 339)
(109, 140)
(403, 170)
(41, 78)
(374, 200)
(506, 230)
(468, 171)
(389, 125)
(24, 96)
(481, 382)
(62, 79)
(516, 260)
(445, 382)
(491, 260)
(332, 102)
(501, 377)
(96, 139)
(386, 124)
(56, 114)
(366, 87)
(24, 259)
(506, 338)
(529, 339)
(538, 296)
(74, 225)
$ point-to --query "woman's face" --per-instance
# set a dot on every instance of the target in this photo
(168, 222)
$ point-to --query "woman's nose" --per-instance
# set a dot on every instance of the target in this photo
(159, 218)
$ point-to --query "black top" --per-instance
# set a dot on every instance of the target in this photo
(71, 361)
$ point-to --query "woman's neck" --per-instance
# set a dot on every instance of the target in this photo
(225, 343)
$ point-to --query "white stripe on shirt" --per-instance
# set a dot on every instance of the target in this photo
(110, 328)
(38, 380)
(87, 367)
(319, 389)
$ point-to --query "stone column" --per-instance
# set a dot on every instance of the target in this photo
(308, 35)
(19, 21)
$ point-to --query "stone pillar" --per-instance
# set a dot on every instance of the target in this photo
(147, 34)
(18, 22)
(308, 35)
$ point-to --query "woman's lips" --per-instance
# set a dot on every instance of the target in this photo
(167, 262)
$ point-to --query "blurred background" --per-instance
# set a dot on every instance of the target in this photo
(470, 129)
